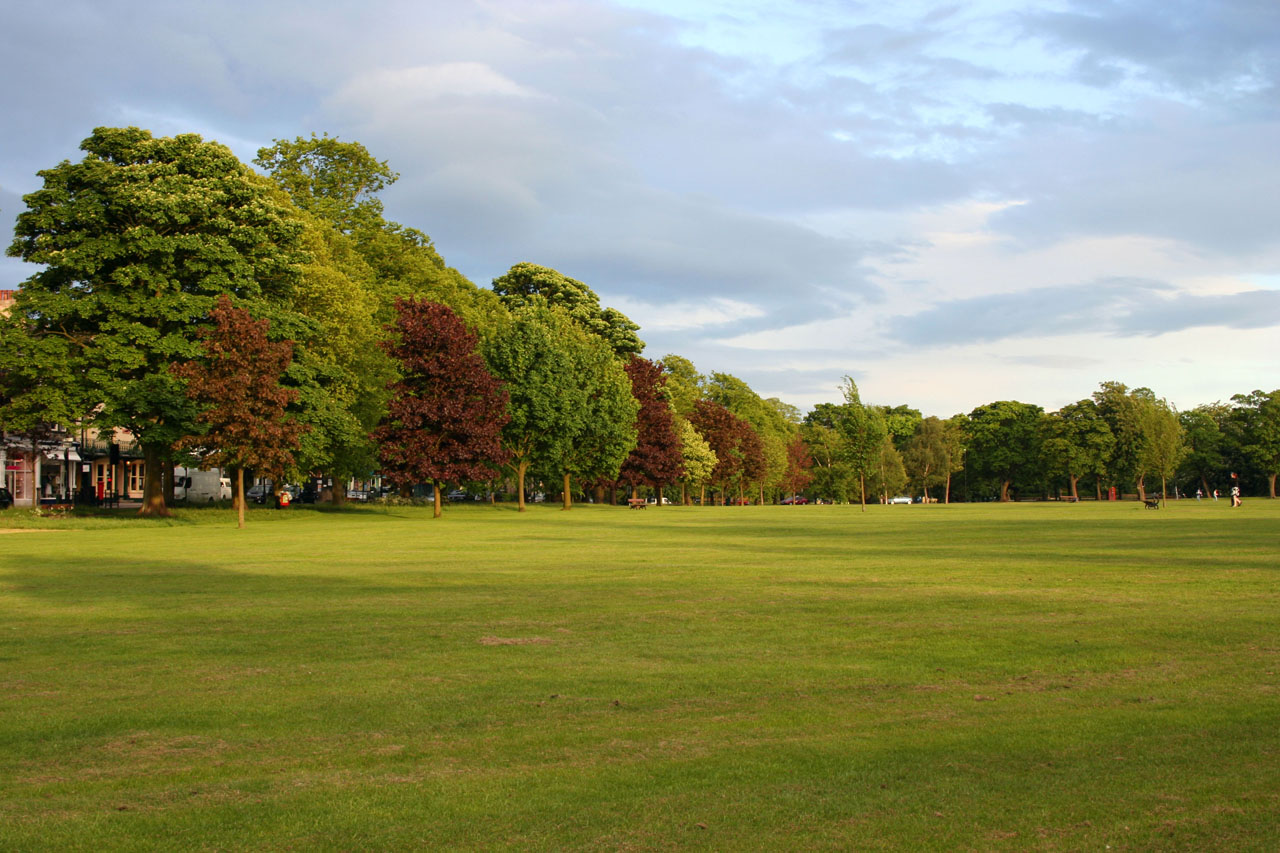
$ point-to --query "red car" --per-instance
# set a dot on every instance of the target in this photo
(795, 500)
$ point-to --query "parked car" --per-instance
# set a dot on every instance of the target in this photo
(259, 492)
(900, 499)
(796, 500)
(6, 498)
(457, 495)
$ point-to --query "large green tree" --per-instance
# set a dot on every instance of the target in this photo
(1078, 442)
(137, 241)
(864, 431)
(1004, 444)
(1209, 444)
(526, 282)
(1258, 417)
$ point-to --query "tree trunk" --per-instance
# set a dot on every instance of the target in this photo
(1098, 484)
(339, 491)
(1074, 494)
(237, 497)
(436, 504)
(1142, 489)
(946, 499)
(1271, 481)
(702, 495)
(599, 493)
(862, 489)
(153, 505)
(521, 467)
(1004, 491)
(1204, 484)
(568, 496)
(170, 493)
(684, 493)
(1164, 490)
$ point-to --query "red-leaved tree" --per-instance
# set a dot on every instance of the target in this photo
(656, 459)
(799, 467)
(238, 382)
(735, 443)
(446, 414)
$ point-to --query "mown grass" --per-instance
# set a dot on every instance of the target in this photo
(969, 677)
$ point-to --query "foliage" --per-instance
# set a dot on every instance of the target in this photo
(138, 239)
(799, 467)
(242, 403)
(731, 440)
(1004, 444)
(697, 459)
(1258, 419)
(656, 459)
(768, 421)
(864, 431)
(524, 282)
(1163, 447)
(925, 455)
(685, 385)
(1209, 444)
(334, 180)
(444, 423)
(1078, 442)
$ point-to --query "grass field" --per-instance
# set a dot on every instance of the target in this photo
(1040, 676)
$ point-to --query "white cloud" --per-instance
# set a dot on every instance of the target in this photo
(687, 315)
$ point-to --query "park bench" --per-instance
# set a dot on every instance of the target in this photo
(637, 503)
(1152, 503)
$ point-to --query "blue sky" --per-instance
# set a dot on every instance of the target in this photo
(953, 203)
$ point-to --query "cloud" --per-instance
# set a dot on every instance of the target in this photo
(1118, 307)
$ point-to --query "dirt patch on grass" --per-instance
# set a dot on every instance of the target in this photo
(514, 641)
(4, 530)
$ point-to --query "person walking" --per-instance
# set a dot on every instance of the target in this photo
(1235, 497)
(1198, 494)
(1215, 494)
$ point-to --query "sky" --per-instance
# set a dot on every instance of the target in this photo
(951, 203)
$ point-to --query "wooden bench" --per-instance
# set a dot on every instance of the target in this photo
(1152, 503)
(637, 503)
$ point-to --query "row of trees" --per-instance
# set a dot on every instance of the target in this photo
(278, 322)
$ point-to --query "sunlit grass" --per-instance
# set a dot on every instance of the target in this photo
(973, 677)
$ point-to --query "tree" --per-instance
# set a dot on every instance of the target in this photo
(1078, 442)
(139, 239)
(728, 438)
(925, 454)
(889, 475)
(832, 476)
(1004, 443)
(685, 385)
(799, 467)
(1209, 444)
(864, 431)
(697, 459)
(656, 458)
(444, 423)
(767, 420)
(334, 180)
(525, 281)
(527, 355)
(901, 422)
(603, 422)
(1163, 446)
(954, 437)
(1258, 415)
(243, 405)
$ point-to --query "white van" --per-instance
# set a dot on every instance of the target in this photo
(195, 486)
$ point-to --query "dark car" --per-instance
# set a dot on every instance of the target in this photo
(6, 498)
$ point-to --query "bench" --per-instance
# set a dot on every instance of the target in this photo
(1152, 503)
(637, 503)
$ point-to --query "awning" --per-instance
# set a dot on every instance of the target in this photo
(58, 454)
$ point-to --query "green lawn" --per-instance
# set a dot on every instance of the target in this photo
(1041, 676)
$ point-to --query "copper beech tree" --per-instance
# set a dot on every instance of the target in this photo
(445, 418)
(657, 459)
(238, 383)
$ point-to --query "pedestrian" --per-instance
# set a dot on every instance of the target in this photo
(1235, 496)
(1198, 494)
(1215, 494)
